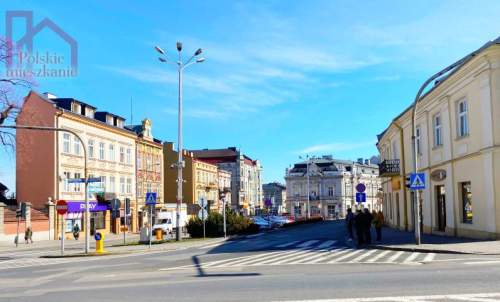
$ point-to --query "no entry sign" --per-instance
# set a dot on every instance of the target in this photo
(61, 207)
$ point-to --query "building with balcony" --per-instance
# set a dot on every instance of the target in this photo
(224, 179)
(46, 160)
(330, 184)
(246, 185)
(458, 148)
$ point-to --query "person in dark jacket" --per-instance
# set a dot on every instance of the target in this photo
(368, 218)
(349, 221)
(359, 223)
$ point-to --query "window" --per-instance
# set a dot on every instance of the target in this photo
(101, 151)
(112, 184)
(418, 133)
(111, 152)
(122, 154)
(463, 122)
(438, 131)
(98, 220)
(66, 142)
(76, 145)
(139, 160)
(129, 186)
(395, 154)
(67, 175)
(129, 156)
(103, 183)
(78, 186)
(330, 191)
(91, 148)
(466, 202)
(122, 185)
(148, 187)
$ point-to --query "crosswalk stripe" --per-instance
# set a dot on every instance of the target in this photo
(234, 261)
(367, 253)
(429, 257)
(380, 255)
(412, 257)
(332, 254)
(348, 255)
(321, 254)
(307, 243)
(327, 244)
(294, 256)
(395, 256)
(287, 244)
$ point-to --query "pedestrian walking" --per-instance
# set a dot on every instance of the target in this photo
(368, 218)
(378, 223)
(359, 223)
(28, 235)
(76, 231)
(349, 222)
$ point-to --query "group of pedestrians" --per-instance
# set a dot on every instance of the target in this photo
(361, 222)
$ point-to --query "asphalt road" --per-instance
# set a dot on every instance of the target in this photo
(305, 263)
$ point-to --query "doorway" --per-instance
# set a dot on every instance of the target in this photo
(441, 208)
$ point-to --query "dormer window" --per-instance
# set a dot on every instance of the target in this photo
(89, 112)
(119, 123)
(109, 120)
(76, 108)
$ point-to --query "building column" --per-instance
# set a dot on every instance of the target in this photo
(2, 207)
(52, 219)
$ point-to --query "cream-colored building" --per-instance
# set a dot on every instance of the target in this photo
(46, 160)
(458, 139)
(206, 183)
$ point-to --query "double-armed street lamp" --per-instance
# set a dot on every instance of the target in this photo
(180, 163)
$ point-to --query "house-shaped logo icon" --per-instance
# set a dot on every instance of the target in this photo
(26, 41)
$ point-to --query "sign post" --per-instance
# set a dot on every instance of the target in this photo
(62, 208)
(202, 202)
(150, 201)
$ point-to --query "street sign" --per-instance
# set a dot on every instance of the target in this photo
(360, 188)
(417, 181)
(82, 180)
(151, 198)
(202, 202)
(61, 207)
(203, 214)
(360, 197)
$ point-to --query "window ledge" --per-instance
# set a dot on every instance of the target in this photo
(463, 137)
(437, 147)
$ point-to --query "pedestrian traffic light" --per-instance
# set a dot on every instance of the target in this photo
(127, 206)
(408, 182)
(23, 209)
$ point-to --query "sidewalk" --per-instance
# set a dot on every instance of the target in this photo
(405, 241)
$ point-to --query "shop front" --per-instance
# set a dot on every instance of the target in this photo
(99, 217)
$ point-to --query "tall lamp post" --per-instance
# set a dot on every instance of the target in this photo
(308, 214)
(180, 163)
(439, 74)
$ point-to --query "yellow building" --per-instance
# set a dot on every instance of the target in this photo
(458, 142)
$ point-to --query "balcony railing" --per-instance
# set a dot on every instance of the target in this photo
(389, 167)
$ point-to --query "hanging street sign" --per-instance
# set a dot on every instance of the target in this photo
(82, 180)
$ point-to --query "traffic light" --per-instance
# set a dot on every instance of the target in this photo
(127, 206)
(23, 210)
(100, 197)
(408, 182)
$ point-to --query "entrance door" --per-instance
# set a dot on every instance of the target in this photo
(441, 208)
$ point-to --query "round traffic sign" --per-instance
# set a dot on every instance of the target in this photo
(61, 207)
(360, 188)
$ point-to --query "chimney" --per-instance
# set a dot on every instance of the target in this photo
(360, 160)
(367, 162)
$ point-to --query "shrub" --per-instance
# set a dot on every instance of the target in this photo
(214, 227)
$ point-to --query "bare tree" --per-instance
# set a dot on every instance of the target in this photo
(12, 90)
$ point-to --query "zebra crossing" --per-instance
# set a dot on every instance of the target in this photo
(30, 262)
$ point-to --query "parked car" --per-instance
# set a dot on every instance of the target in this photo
(279, 220)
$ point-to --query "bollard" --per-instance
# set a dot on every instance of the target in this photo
(99, 242)
(159, 234)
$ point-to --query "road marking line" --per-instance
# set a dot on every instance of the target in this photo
(429, 257)
(317, 255)
(255, 235)
(467, 297)
(412, 257)
(249, 259)
(295, 256)
(380, 255)
(331, 254)
(287, 244)
(482, 262)
(350, 254)
(307, 243)
(363, 256)
(327, 244)
(395, 256)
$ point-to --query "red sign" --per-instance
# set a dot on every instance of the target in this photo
(61, 207)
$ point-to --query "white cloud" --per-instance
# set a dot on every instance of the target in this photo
(335, 147)
(394, 77)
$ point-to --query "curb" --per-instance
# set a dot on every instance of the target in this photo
(94, 254)
(430, 250)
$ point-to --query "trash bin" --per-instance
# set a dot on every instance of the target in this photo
(159, 234)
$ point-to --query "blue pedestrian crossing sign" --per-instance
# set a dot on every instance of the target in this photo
(151, 198)
(417, 181)
(360, 197)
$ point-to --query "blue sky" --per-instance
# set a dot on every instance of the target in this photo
(281, 78)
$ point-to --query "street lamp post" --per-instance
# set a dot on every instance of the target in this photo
(308, 210)
(180, 163)
(416, 196)
(87, 211)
